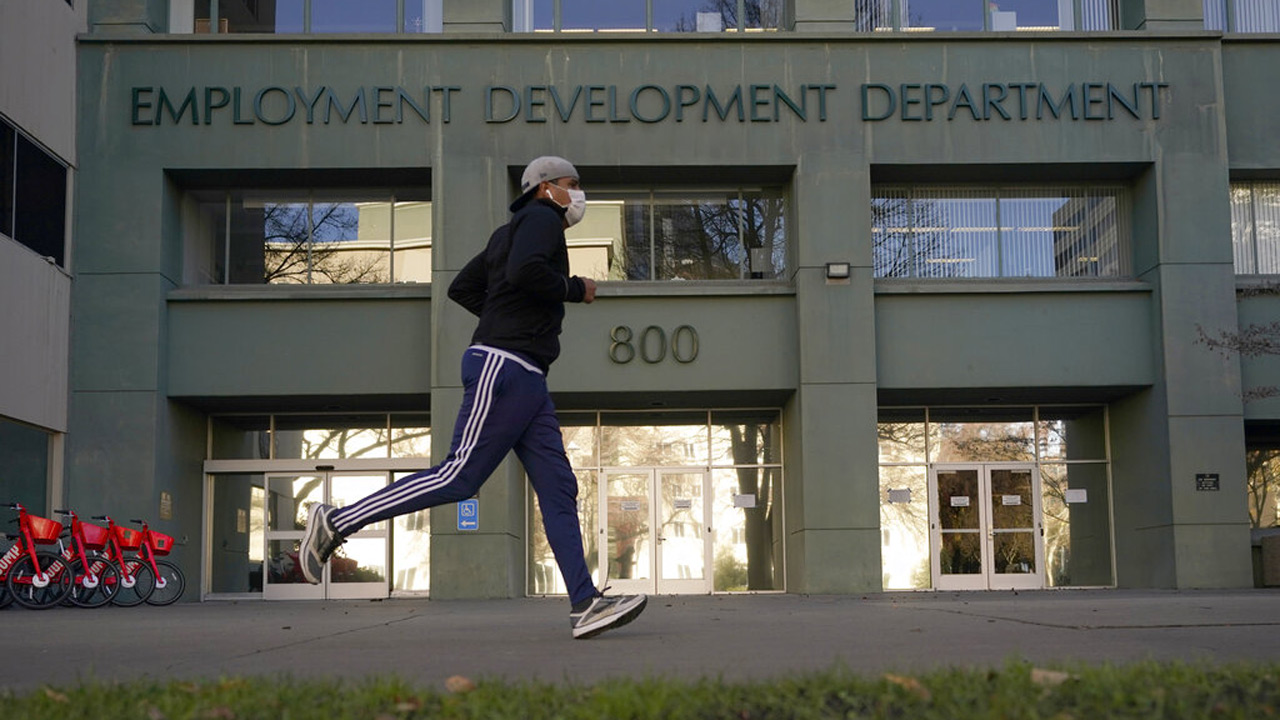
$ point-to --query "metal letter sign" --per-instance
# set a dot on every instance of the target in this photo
(469, 514)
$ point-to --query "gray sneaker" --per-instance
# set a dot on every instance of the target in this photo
(606, 613)
(318, 543)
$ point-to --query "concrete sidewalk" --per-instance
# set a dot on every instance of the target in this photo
(729, 637)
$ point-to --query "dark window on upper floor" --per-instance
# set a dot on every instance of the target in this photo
(33, 195)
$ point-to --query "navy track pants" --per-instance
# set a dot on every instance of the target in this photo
(505, 406)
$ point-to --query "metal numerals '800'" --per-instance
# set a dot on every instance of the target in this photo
(652, 346)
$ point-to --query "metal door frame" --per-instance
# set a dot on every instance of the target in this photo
(654, 582)
(326, 590)
(987, 579)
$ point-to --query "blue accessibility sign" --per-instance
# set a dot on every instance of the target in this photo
(469, 514)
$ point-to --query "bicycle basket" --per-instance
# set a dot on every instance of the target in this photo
(44, 530)
(162, 543)
(129, 539)
(95, 536)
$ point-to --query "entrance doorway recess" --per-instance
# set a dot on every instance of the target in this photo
(357, 570)
(986, 526)
(656, 534)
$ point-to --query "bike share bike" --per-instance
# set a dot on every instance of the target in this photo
(95, 579)
(143, 578)
(35, 579)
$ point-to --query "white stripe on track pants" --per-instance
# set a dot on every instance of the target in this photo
(505, 407)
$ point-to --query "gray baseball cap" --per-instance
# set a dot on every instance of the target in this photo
(547, 167)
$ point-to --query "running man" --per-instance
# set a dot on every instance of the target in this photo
(517, 287)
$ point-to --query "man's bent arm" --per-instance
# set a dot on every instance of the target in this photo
(470, 288)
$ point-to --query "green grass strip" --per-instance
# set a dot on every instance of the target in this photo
(1015, 691)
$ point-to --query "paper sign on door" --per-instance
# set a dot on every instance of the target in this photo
(959, 501)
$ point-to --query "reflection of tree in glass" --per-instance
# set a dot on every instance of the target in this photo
(986, 442)
(710, 239)
(756, 14)
(752, 441)
(1263, 482)
(907, 232)
(291, 256)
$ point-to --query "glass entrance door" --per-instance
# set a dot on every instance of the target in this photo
(986, 531)
(658, 528)
(357, 570)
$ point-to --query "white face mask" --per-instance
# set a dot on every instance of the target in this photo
(577, 207)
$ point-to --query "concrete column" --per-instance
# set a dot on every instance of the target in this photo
(1167, 15)
(835, 524)
(477, 16)
(129, 16)
(471, 190)
(822, 15)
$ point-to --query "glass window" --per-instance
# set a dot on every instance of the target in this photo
(973, 232)
(746, 437)
(300, 236)
(647, 15)
(331, 436)
(7, 153)
(344, 16)
(968, 15)
(1255, 227)
(748, 538)
(24, 457)
(411, 436)
(681, 235)
(901, 435)
(240, 437)
(904, 527)
(1077, 524)
(580, 433)
(962, 15)
(350, 238)
(1263, 480)
(620, 15)
(319, 16)
(982, 434)
(646, 440)
(237, 536)
(33, 195)
(1256, 16)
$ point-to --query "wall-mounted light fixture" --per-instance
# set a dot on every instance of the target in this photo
(837, 271)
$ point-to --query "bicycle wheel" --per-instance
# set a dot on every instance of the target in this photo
(174, 583)
(108, 582)
(144, 583)
(25, 584)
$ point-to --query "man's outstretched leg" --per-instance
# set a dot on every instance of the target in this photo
(541, 451)
(493, 415)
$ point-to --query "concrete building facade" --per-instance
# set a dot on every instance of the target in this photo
(880, 308)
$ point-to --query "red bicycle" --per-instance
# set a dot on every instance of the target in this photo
(36, 579)
(95, 579)
(170, 582)
(137, 579)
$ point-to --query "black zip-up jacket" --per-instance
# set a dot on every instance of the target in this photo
(519, 284)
